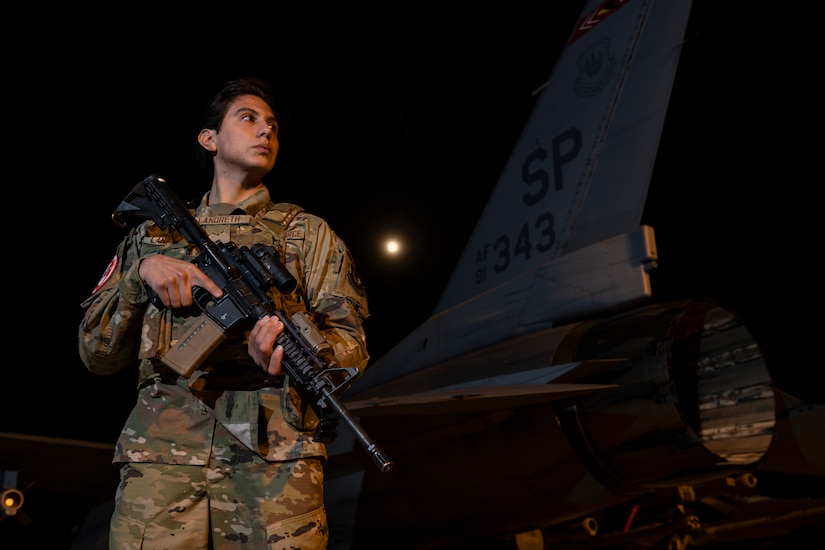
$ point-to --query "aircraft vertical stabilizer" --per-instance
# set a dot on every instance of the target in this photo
(580, 171)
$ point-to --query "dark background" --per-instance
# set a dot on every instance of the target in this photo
(391, 123)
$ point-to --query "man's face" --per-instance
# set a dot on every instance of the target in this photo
(248, 138)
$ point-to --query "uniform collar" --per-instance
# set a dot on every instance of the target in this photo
(251, 205)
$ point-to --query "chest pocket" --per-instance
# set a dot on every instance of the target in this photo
(277, 220)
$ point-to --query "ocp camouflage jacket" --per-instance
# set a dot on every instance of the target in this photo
(174, 417)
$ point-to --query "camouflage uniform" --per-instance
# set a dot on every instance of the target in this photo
(230, 438)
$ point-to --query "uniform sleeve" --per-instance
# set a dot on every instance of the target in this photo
(109, 334)
(335, 294)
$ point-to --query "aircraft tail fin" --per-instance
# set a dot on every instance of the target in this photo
(580, 171)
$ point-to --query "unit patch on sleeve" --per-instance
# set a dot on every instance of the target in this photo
(106, 274)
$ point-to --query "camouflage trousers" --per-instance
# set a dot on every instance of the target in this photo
(251, 504)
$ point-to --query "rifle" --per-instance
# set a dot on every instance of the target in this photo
(245, 275)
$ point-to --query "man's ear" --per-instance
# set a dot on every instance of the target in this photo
(206, 138)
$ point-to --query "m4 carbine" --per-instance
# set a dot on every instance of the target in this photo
(245, 275)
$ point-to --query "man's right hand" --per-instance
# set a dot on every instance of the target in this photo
(172, 280)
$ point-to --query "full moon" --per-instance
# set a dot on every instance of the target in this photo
(393, 247)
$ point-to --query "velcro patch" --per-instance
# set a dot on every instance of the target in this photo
(106, 274)
(235, 219)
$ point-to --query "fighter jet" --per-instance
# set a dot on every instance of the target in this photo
(549, 402)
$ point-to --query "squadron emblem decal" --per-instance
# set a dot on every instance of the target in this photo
(596, 67)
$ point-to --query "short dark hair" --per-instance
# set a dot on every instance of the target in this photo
(215, 112)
